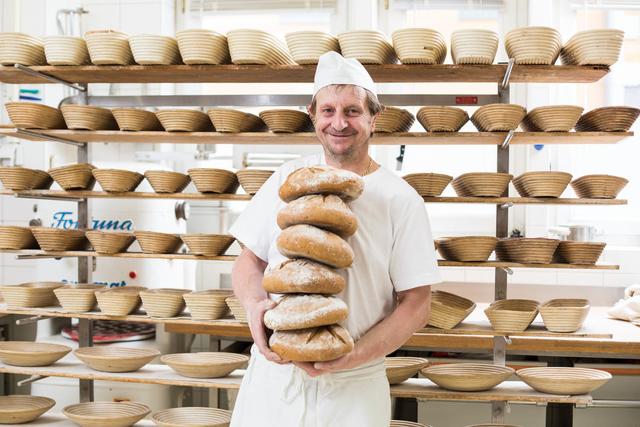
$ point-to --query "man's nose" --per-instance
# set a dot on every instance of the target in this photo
(339, 121)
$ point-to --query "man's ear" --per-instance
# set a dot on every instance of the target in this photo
(311, 114)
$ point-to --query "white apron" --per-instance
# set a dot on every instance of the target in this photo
(273, 395)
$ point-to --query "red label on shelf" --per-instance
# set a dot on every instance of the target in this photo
(466, 100)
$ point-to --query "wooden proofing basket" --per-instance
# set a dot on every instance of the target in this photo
(593, 47)
(237, 309)
(108, 47)
(442, 119)
(403, 423)
(428, 184)
(30, 115)
(117, 180)
(87, 117)
(32, 294)
(152, 49)
(474, 46)
(400, 369)
(163, 302)
(66, 50)
(211, 180)
(74, 177)
(106, 414)
(200, 46)
(119, 301)
(16, 178)
(192, 416)
(57, 239)
(20, 409)
(29, 353)
(248, 46)
(552, 118)
(367, 46)
(234, 121)
(153, 242)
(542, 184)
(136, 119)
(78, 298)
(20, 48)
(207, 244)
(209, 304)
(448, 310)
(115, 359)
(306, 47)
(15, 237)
(110, 242)
(467, 248)
(467, 376)
(558, 380)
(598, 186)
(538, 250)
(286, 121)
(511, 315)
(608, 119)
(419, 46)
(498, 117)
(393, 119)
(184, 121)
(533, 45)
(481, 184)
(205, 364)
(167, 181)
(252, 179)
(581, 253)
(564, 314)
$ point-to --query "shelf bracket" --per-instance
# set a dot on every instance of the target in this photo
(507, 270)
(507, 139)
(30, 320)
(76, 86)
(50, 138)
(506, 205)
(507, 74)
(37, 256)
(31, 379)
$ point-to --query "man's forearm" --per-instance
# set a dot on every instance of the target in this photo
(247, 274)
(410, 314)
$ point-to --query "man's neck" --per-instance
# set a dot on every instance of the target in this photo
(361, 165)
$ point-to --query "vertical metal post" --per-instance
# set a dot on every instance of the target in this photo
(498, 409)
(560, 414)
(85, 264)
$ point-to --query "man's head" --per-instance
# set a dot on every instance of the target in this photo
(344, 107)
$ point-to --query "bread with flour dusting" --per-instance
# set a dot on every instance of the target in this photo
(303, 276)
(307, 241)
(305, 311)
(312, 345)
(322, 180)
(326, 211)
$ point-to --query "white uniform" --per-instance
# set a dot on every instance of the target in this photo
(393, 250)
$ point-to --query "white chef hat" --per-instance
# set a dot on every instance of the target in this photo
(334, 69)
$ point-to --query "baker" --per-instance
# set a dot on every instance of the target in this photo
(387, 286)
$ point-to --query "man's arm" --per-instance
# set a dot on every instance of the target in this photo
(246, 279)
(411, 314)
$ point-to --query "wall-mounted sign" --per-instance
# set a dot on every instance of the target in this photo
(65, 220)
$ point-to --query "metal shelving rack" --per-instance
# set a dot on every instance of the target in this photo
(503, 74)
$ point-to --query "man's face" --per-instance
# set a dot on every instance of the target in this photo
(342, 120)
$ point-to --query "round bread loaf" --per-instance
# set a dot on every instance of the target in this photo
(326, 211)
(322, 180)
(305, 311)
(312, 345)
(307, 241)
(303, 276)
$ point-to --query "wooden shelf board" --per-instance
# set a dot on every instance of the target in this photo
(56, 419)
(387, 73)
(309, 138)
(71, 367)
(441, 263)
(80, 194)
(508, 391)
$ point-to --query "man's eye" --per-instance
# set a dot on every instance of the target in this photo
(327, 110)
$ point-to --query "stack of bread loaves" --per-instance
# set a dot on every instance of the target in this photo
(314, 224)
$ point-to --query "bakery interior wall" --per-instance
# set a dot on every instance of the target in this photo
(619, 224)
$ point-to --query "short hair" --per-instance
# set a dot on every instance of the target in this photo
(373, 105)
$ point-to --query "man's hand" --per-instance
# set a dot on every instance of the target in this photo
(348, 361)
(255, 316)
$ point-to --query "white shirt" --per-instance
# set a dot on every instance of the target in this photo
(393, 247)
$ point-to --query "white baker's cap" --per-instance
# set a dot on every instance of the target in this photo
(335, 69)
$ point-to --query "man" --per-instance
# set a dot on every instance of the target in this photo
(388, 292)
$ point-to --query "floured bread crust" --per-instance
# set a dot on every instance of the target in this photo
(326, 211)
(312, 345)
(303, 276)
(322, 180)
(307, 241)
(305, 311)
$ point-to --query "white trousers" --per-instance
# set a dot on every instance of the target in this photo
(273, 395)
